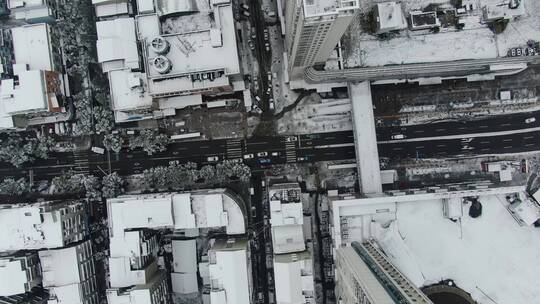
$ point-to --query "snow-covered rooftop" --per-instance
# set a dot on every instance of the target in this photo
(184, 275)
(28, 96)
(155, 291)
(199, 49)
(229, 272)
(32, 46)
(69, 273)
(129, 91)
(106, 8)
(287, 222)
(314, 8)
(28, 228)
(145, 6)
(356, 214)
(36, 10)
(122, 275)
(13, 276)
(474, 41)
(203, 209)
(390, 17)
(480, 254)
(59, 267)
(293, 277)
(117, 44)
(199, 42)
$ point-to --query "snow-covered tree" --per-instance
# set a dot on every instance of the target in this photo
(11, 186)
(17, 150)
(77, 183)
(113, 142)
(150, 141)
(112, 185)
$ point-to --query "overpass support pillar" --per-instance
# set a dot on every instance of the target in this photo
(367, 154)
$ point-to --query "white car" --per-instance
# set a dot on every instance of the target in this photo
(248, 156)
(275, 154)
(291, 138)
(262, 154)
(212, 158)
(398, 136)
(530, 120)
(98, 150)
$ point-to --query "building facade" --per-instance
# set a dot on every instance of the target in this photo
(364, 275)
(313, 29)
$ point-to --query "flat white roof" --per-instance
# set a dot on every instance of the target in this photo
(145, 6)
(28, 96)
(110, 8)
(201, 209)
(127, 244)
(229, 275)
(327, 7)
(12, 277)
(391, 16)
(144, 212)
(23, 3)
(117, 42)
(67, 294)
(287, 229)
(22, 228)
(129, 90)
(184, 254)
(493, 244)
(184, 283)
(32, 46)
(121, 274)
(59, 267)
(288, 279)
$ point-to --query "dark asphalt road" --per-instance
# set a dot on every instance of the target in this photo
(493, 124)
(301, 149)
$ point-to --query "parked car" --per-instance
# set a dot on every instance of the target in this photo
(98, 150)
(212, 158)
(530, 120)
(275, 154)
(262, 154)
(248, 156)
(291, 138)
(398, 136)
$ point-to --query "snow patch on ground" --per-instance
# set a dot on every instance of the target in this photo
(492, 257)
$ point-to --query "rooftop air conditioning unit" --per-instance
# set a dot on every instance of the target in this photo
(162, 64)
(160, 45)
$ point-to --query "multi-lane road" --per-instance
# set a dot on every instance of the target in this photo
(503, 123)
(277, 150)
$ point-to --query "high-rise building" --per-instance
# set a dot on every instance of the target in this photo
(313, 29)
(364, 275)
